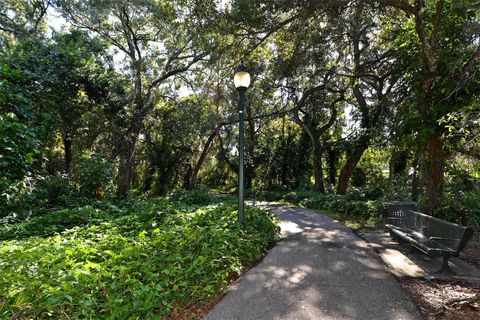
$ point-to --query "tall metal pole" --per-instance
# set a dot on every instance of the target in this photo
(241, 108)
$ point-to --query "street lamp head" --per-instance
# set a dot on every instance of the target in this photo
(242, 77)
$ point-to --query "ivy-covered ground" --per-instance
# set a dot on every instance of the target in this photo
(132, 260)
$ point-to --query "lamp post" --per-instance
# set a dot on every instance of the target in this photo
(241, 81)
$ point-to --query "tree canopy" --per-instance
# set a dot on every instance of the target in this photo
(344, 94)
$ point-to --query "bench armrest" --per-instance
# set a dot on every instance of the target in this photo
(440, 238)
(420, 227)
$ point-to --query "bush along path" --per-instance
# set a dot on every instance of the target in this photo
(319, 270)
(141, 260)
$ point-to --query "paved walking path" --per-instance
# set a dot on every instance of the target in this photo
(319, 270)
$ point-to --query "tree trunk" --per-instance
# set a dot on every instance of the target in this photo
(433, 155)
(284, 167)
(203, 156)
(187, 179)
(391, 164)
(415, 178)
(125, 170)
(332, 165)
(250, 148)
(148, 179)
(150, 169)
(433, 174)
(223, 155)
(318, 169)
(67, 144)
(317, 154)
(284, 147)
(350, 165)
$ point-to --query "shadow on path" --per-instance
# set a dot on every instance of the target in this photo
(319, 270)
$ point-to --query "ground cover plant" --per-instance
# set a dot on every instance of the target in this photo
(138, 259)
(108, 106)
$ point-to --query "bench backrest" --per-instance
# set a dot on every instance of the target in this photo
(451, 235)
(397, 211)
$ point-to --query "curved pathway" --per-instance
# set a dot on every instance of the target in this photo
(319, 270)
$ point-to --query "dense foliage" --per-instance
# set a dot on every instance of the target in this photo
(130, 95)
(364, 203)
(136, 259)
(104, 103)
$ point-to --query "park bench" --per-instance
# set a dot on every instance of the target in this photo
(430, 235)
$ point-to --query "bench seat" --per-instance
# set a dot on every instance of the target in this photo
(428, 246)
(428, 234)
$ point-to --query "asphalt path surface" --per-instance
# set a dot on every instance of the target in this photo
(319, 270)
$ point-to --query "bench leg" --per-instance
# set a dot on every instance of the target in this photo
(445, 268)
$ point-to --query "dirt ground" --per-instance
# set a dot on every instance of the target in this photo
(448, 299)
(445, 299)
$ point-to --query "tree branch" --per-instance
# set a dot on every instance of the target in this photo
(43, 7)
(174, 72)
(437, 23)
(399, 4)
(333, 116)
(132, 38)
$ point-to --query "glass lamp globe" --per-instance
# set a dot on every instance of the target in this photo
(242, 77)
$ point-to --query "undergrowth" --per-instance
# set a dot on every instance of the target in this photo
(358, 209)
(135, 260)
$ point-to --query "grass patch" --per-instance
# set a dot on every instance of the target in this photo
(354, 222)
(138, 260)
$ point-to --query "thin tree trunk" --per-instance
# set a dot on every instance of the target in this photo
(187, 179)
(284, 147)
(125, 170)
(150, 170)
(223, 156)
(203, 156)
(250, 146)
(148, 180)
(400, 164)
(332, 165)
(67, 143)
(317, 153)
(318, 169)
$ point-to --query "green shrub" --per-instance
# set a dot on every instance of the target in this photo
(19, 152)
(19, 148)
(198, 196)
(152, 258)
(359, 177)
(54, 190)
(472, 206)
(463, 206)
(356, 202)
(93, 176)
(52, 223)
(399, 189)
